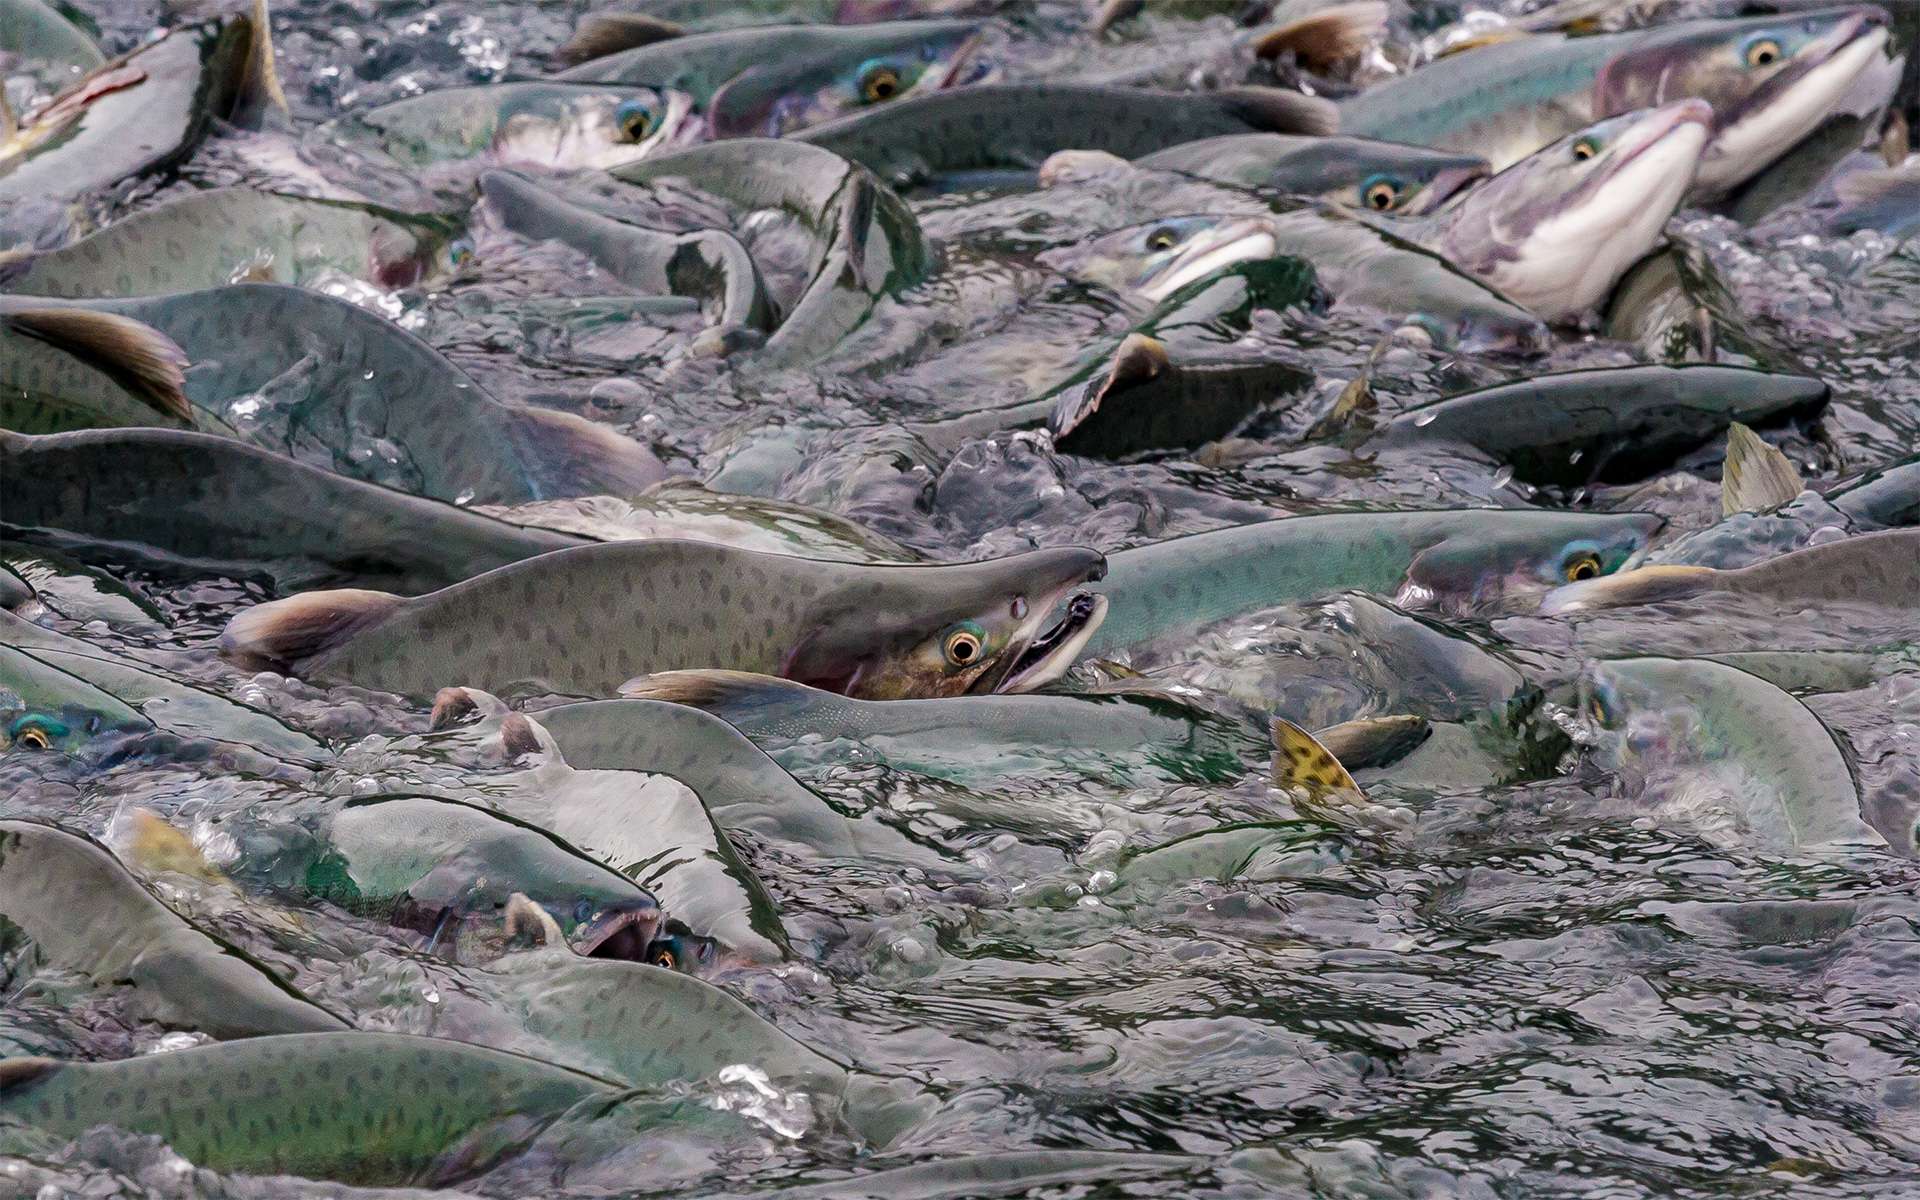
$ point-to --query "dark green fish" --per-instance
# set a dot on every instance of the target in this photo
(450, 870)
(128, 695)
(170, 91)
(1000, 126)
(210, 238)
(1613, 425)
(174, 497)
(1870, 568)
(710, 265)
(327, 382)
(768, 80)
(1355, 172)
(1770, 80)
(584, 621)
(85, 912)
(1146, 401)
(371, 1108)
(1885, 497)
(1457, 559)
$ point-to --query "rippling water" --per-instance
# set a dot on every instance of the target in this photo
(1544, 985)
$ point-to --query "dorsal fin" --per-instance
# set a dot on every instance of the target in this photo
(711, 688)
(136, 356)
(306, 625)
(1757, 477)
(600, 34)
(259, 98)
(1325, 39)
(24, 1072)
(1300, 761)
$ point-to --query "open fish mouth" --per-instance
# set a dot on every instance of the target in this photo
(1047, 657)
(1225, 245)
(624, 935)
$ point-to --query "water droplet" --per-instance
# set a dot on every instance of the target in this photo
(1425, 418)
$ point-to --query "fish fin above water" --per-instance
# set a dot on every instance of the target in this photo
(1492, 37)
(25, 1072)
(1327, 38)
(1278, 110)
(711, 688)
(259, 96)
(134, 355)
(1645, 585)
(148, 842)
(1300, 761)
(600, 34)
(1374, 741)
(567, 455)
(518, 736)
(1112, 12)
(1757, 477)
(305, 626)
(1138, 359)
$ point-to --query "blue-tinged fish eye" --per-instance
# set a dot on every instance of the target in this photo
(582, 911)
(459, 251)
(1161, 237)
(1586, 148)
(1584, 560)
(879, 81)
(963, 644)
(1381, 192)
(634, 118)
(1762, 50)
(35, 731)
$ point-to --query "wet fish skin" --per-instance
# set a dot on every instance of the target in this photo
(339, 372)
(1146, 401)
(1454, 558)
(37, 36)
(1614, 424)
(1885, 497)
(354, 1107)
(1725, 750)
(1355, 172)
(179, 975)
(540, 123)
(1019, 125)
(1880, 568)
(206, 239)
(180, 498)
(45, 707)
(585, 620)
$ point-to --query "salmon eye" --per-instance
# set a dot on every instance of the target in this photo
(1585, 148)
(1381, 196)
(33, 738)
(1583, 566)
(1597, 709)
(1763, 52)
(635, 120)
(1161, 239)
(962, 647)
(879, 83)
(663, 957)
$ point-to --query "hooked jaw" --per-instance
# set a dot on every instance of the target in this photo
(1041, 652)
(624, 934)
(1245, 239)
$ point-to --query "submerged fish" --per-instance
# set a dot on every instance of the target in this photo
(226, 235)
(43, 707)
(1727, 752)
(1355, 172)
(1869, 568)
(1454, 558)
(768, 80)
(177, 498)
(85, 912)
(1146, 401)
(583, 621)
(1017, 126)
(450, 870)
(1770, 81)
(322, 380)
(1615, 424)
(354, 1107)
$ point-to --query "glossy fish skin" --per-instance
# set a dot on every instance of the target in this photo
(207, 239)
(1354, 172)
(1018, 125)
(1611, 425)
(1453, 558)
(583, 621)
(444, 866)
(369, 1108)
(210, 503)
(1886, 497)
(43, 707)
(1727, 751)
(34, 35)
(1870, 568)
(553, 125)
(1507, 100)
(338, 371)
(179, 975)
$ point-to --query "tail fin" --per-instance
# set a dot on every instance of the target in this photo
(136, 356)
(307, 625)
(1757, 477)
(601, 34)
(259, 98)
(1374, 741)
(1277, 110)
(1300, 761)
(1329, 37)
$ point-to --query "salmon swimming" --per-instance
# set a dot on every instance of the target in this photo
(583, 621)
(1872, 568)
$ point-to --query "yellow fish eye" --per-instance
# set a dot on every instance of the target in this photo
(635, 120)
(663, 958)
(962, 648)
(1161, 239)
(880, 83)
(1585, 148)
(1763, 53)
(33, 738)
(1583, 566)
(1597, 709)
(1381, 197)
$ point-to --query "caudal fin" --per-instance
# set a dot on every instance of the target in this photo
(136, 356)
(301, 627)
(1327, 38)
(1757, 477)
(1300, 761)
